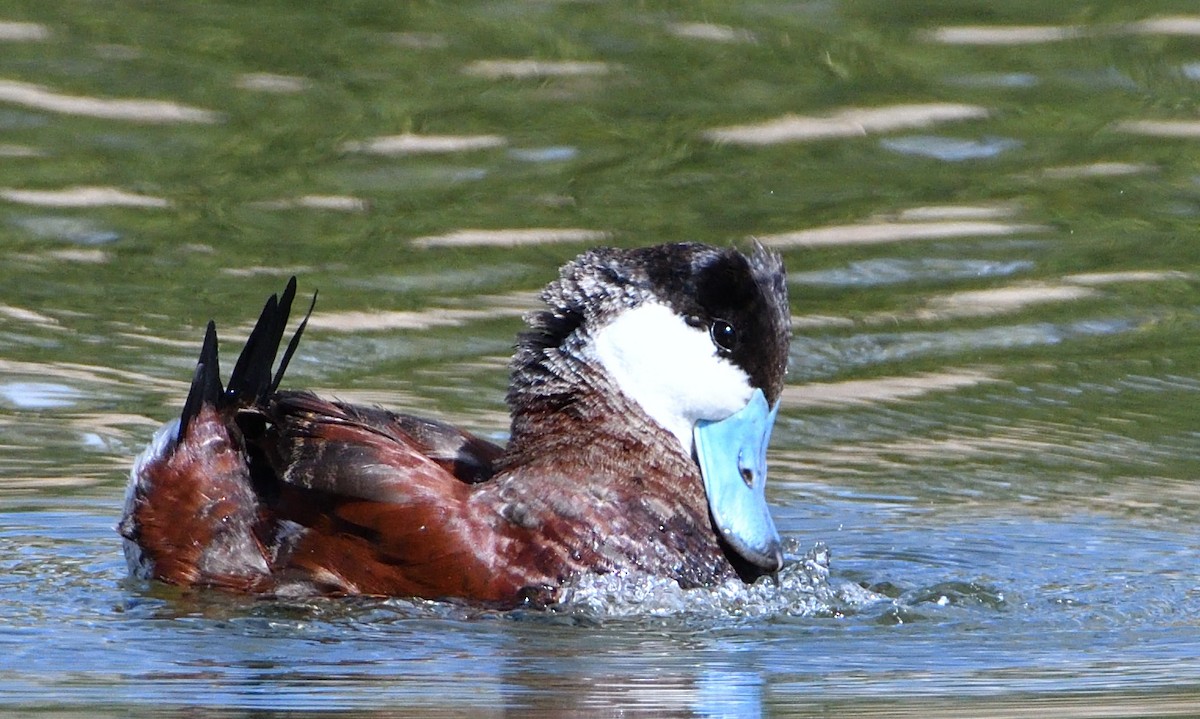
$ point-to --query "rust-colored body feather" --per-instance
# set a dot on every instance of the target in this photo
(274, 492)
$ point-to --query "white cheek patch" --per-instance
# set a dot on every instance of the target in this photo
(671, 369)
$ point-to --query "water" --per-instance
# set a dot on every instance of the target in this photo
(988, 215)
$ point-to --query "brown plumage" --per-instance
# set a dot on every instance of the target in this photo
(280, 492)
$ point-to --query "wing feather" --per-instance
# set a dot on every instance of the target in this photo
(368, 453)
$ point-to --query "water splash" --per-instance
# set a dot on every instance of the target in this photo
(803, 588)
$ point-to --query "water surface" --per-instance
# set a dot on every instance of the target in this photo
(988, 216)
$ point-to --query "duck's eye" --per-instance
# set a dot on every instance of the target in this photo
(724, 336)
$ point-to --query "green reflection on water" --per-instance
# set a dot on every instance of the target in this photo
(1090, 405)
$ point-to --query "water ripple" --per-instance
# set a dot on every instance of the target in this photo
(890, 271)
(819, 357)
(846, 122)
(134, 110)
(949, 149)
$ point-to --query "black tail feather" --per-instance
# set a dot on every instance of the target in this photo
(206, 380)
(240, 380)
(293, 344)
(252, 379)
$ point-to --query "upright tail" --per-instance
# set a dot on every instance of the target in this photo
(252, 380)
(191, 511)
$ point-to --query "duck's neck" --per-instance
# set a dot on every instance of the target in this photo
(581, 448)
(566, 403)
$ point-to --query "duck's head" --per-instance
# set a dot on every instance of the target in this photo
(697, 337)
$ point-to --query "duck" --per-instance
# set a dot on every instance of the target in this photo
(642, 397)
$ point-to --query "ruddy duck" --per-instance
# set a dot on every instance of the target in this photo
(642, 398)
